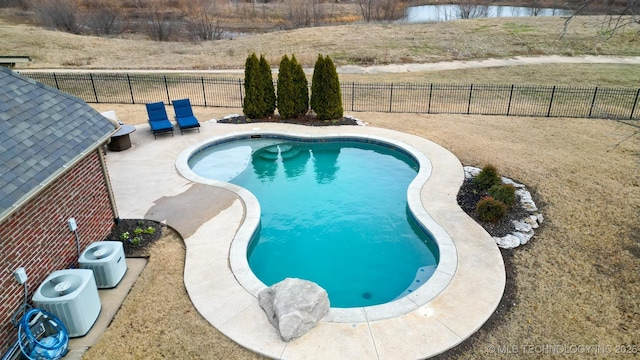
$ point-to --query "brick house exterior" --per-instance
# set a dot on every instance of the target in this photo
(51, 169)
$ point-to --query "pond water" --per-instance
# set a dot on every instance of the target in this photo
(440, 13)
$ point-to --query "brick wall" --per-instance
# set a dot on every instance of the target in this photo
(37, 237)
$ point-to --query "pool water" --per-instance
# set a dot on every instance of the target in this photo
(332, 212)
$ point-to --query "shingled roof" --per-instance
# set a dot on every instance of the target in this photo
(42, 131)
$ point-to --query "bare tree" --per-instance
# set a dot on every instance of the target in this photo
(472, 9)
(57, 14)
(619, 14)
(103, 17)
(202, 19)
(379, 10)
(160, 24)
(299, 13)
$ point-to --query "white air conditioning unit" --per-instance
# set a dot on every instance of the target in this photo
(72, 296)
(106, 259)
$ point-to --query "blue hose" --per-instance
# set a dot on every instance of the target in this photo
(53, 346)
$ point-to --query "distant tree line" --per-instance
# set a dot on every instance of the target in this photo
(191, 20)
(204, 20)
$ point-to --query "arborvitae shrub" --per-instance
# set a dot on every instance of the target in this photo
(326, 98)
(487, 178)
(334, 95)
(505, 193)
(267, 89)
(253, 105)
(286, 86)
(300, 87)
(490, 209)
(318, 85)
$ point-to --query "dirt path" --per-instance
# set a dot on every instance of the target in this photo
(400, 68)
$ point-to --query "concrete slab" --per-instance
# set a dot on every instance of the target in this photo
(111, 300)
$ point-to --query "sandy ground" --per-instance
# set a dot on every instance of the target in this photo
(575, 284)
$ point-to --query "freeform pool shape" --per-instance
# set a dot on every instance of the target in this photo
(238, 251)
(334, 212)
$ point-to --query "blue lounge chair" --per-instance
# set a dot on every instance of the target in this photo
(184, 115)
(158, 119)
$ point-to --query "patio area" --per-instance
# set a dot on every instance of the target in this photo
(146, 184)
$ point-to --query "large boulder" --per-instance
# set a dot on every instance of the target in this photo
(294, 306)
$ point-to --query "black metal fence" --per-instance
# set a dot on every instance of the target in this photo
(515, 100)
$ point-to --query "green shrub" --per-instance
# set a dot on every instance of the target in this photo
(326, 97)
(317, 84)
(490, 209)
(505, 193)
(260, 96)
(286, 97)
(300, 87)
(267, 89)
(487, 178)
(252, 105)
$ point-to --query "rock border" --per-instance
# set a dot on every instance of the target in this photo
(523, 228)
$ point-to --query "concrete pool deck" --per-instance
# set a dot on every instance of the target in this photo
(146, 184)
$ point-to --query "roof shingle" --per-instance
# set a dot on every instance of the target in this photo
(41, 130)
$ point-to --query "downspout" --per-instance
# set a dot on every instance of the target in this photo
(107, 180)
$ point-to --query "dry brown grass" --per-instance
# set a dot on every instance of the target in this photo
(576, 283)
(612, 75)
(158, 321)
(347, 44)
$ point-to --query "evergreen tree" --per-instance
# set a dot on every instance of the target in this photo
(286, 98)
(326, 97)
(267, 89)
(252, 98)
(317, 85)
(334, 95)
(301, 87)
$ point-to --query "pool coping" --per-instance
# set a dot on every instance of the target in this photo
(238, 253)
(450, 317)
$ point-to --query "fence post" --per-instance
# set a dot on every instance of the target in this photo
(510, 97)
(391, 97)
(133, 100)
(635, 102)
(166, 87)
(55, 79)
(95, 93)
(204, 93)
(469, 103)
(553, 91)
(241, 96)
(353, 93)
(593, 101)
(430, 92)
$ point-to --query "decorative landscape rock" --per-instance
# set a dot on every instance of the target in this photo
(509, 241)
(294, 306)
(524, 228)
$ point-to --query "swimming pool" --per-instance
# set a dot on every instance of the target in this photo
(333, 211)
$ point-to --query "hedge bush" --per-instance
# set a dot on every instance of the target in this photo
(490, 209)
(286, 91)
(326, 98)
(505, 193)
(487, 178)
(267, 89)
(300, 87)
(252, 105)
